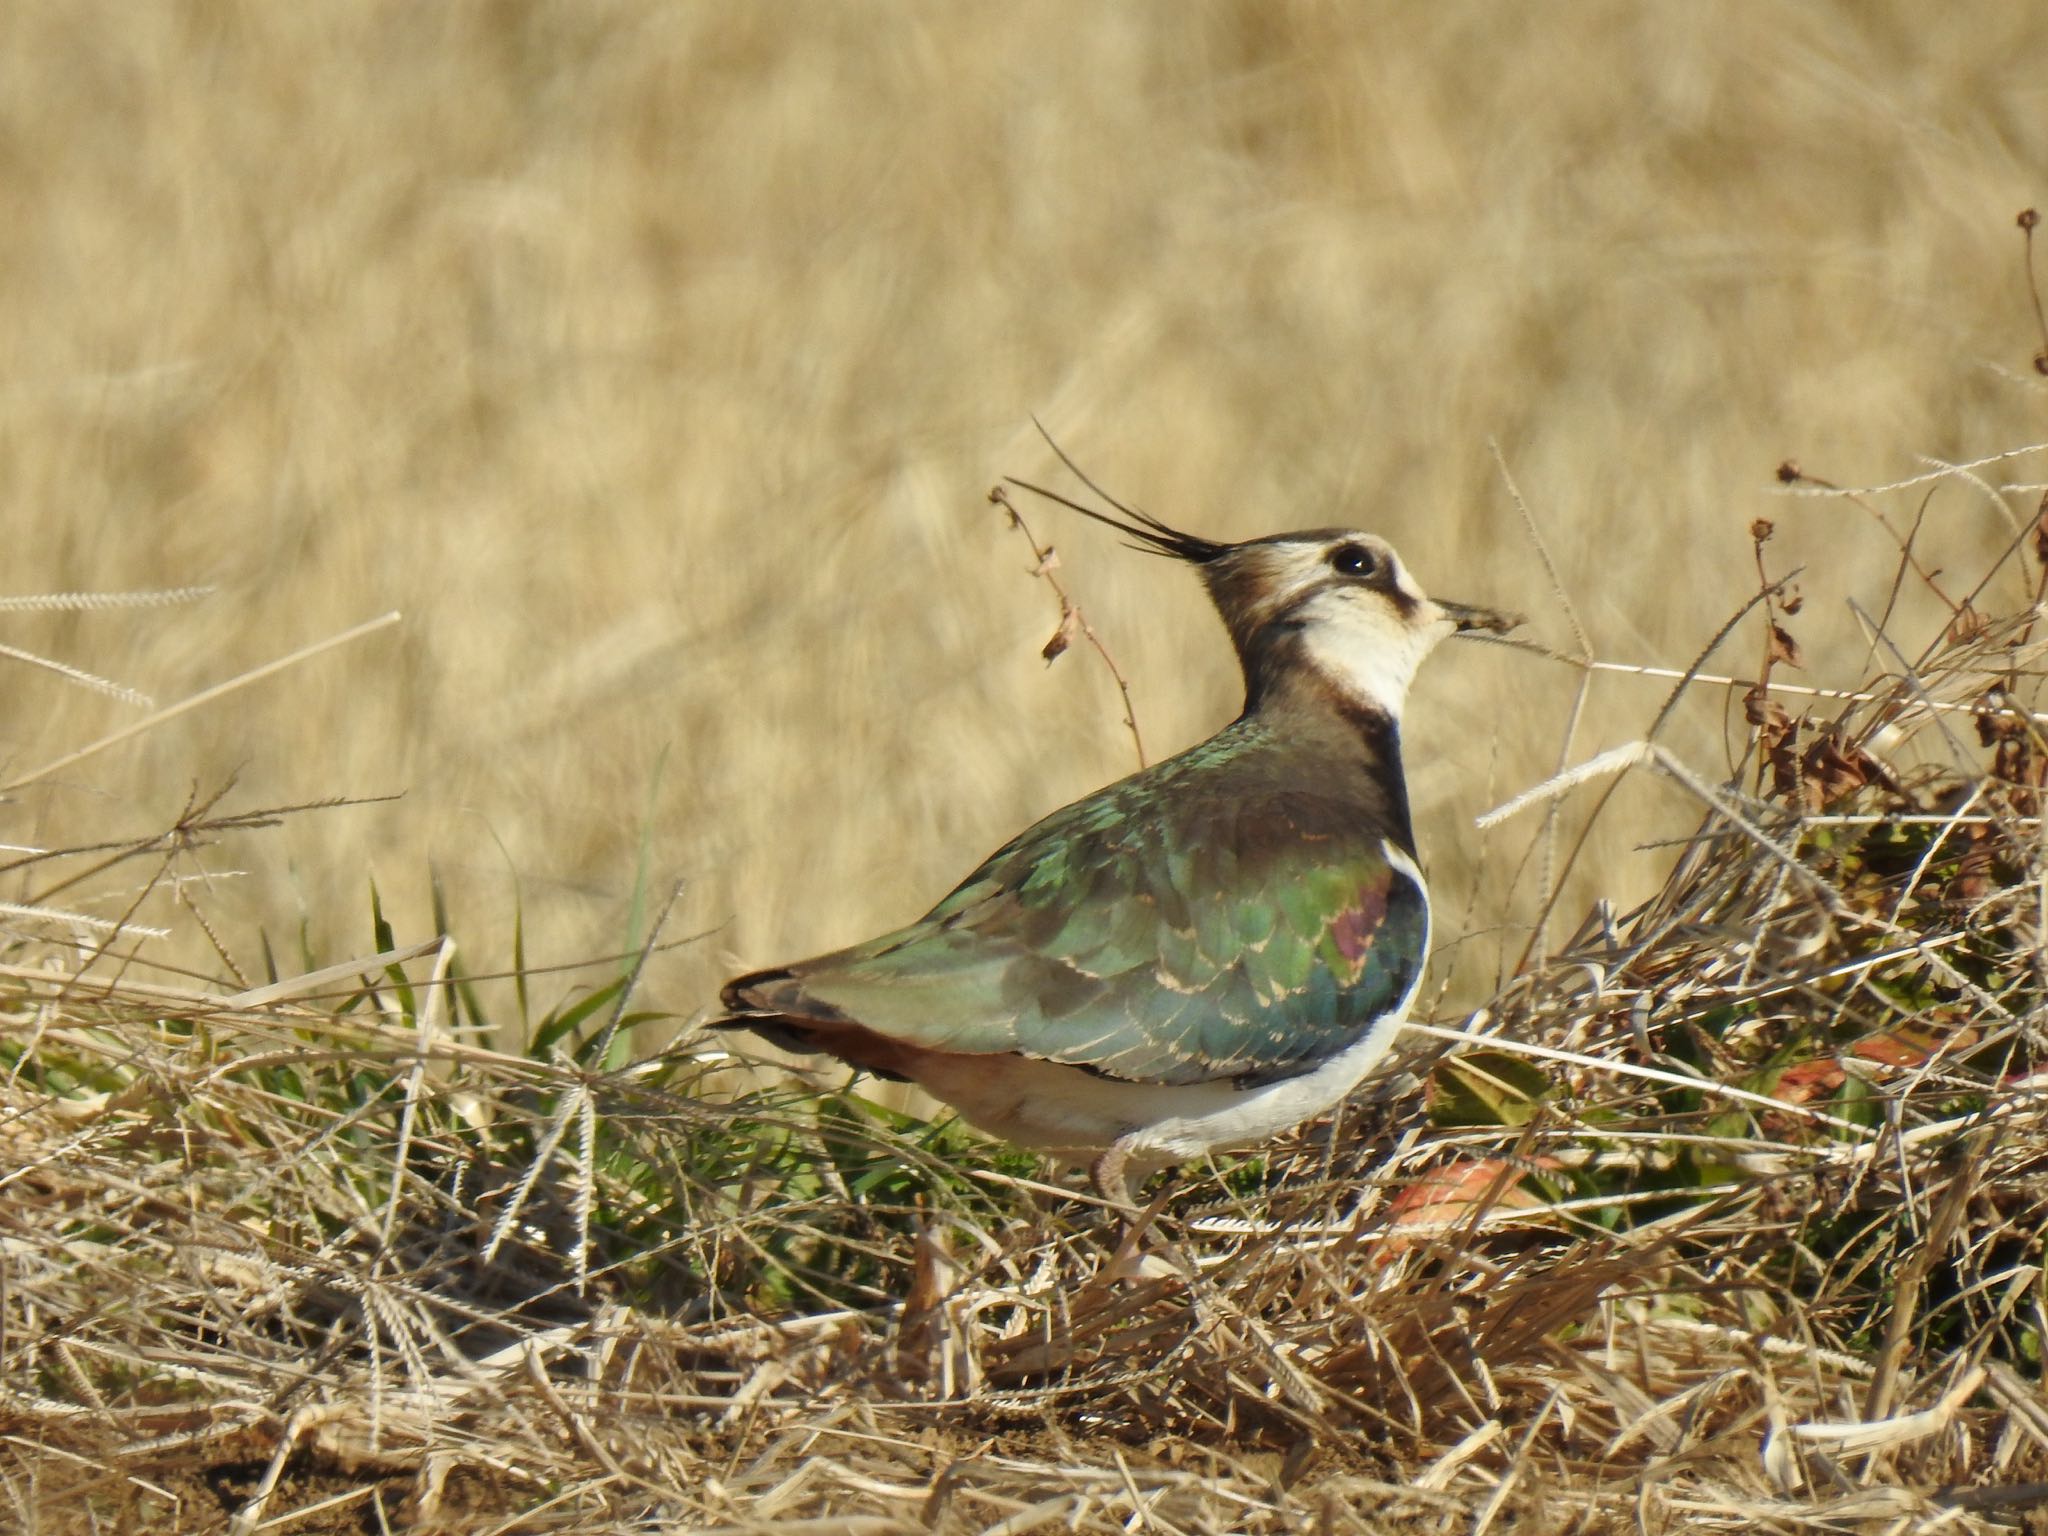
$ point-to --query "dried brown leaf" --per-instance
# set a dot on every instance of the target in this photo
(1765, 713)
(1061, 638)
(1808, 1080)
(1830, 769)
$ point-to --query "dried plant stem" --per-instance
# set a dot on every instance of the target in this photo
(203, 697)
(1698, 1085)
(1657, 724)
(1912, 1278)
(79, 676)
(1045, 564)
(2029, 219)
(1539, 941)
(93, 602)
(1841, 695)
(1794, 482)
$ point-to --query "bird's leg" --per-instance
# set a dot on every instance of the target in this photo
(1107, 1174)
(1128, 1262)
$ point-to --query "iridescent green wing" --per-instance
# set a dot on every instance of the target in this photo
(1187, 925)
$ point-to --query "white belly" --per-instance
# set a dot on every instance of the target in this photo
(1074, 1114)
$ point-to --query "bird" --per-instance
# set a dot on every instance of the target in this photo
(1199, 956)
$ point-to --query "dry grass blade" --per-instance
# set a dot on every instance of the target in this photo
(80, 676)
(198, 700)
(1724, 1216)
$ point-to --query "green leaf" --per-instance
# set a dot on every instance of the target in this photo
(385, 939)
(555, 1026)
(1487, 1088)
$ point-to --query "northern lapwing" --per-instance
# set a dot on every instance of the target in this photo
(1203, 954)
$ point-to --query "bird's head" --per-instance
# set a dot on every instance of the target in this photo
(1336, 601)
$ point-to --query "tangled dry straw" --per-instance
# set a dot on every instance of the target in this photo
(1725, 1214)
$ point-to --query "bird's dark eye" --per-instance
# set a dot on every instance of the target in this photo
(1354, 560)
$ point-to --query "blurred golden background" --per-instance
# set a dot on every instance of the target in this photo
(655, 360)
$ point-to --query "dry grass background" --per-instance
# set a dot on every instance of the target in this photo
(654, 359)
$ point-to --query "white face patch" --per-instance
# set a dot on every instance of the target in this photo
(1362, 642)
(1358, 617)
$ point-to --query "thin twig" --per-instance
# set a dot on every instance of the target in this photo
(204, 696)
(1715, 679)
(1539, 942)
(2027, 221)
(1045, 563)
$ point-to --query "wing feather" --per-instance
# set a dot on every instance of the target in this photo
(1175, 929)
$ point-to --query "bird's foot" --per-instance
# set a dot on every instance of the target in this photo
(1133, 1259)
(1106, 1173)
